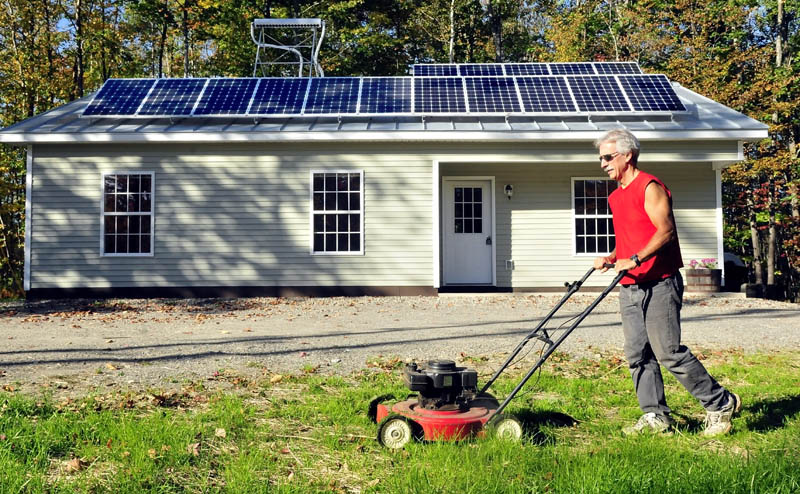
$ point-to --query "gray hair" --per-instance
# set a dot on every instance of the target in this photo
(625, 141)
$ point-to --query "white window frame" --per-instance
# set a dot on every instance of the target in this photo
(575, 216)
(152, 214)
(311, 214)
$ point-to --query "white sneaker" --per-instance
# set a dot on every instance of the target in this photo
(720, 422)
(650, 423)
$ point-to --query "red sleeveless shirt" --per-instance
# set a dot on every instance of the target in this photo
(633, 229)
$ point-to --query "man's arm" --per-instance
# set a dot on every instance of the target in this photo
(659, 210)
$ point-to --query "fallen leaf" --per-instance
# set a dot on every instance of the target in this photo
(111, 366)
(276, 379)
(286, 451)
(109, 341)
(220, 433)
(75, 465)
(126, 454)
(108, 443)
(151, 453)
(193, 449)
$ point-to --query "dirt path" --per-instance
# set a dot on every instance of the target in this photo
(79, 345)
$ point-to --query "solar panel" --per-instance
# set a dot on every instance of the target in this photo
(119, 97)
(571, 68)
(439, 95)
(527, 69)
(545, 94)
(226, 97)
(480, 69)
(386, 95)
(492, 95)
(172, 97)
(597, 93)
(277, 96)
(332, 95)
(617, 68)
(435, 70)
(651, 93)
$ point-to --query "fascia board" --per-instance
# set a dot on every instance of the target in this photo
(368, 136)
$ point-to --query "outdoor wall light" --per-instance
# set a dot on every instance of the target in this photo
(509, 190)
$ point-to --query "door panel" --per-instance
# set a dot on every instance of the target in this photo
(467, 226)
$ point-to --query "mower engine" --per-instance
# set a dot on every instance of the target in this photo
(441, 385)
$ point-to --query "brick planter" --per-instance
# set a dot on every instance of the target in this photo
(703, 280)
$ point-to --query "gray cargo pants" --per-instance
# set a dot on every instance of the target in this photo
(651, 321)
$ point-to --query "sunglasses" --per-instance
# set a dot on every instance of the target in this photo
(607, 157)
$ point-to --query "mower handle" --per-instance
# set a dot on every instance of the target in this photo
(571, 289)
(553, 345)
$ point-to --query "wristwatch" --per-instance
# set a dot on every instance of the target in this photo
(635, 258)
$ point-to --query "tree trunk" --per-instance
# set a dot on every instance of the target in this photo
(452, 29)
(79, 64)
(163, 41)
(756, 241)
(496, 23)
(103, 42)
(772, 240)
(185, 21)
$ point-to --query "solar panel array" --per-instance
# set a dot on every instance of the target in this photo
(485, 92)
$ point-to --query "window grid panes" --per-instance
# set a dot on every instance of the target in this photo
(128, 214)
(336, 207)
(468, 203)
(594, 230)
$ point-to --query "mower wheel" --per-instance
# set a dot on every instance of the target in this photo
(395, 431)
(507, 427)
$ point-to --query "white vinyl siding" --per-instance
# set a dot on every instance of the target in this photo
(230, 216)
(238, 214)
(540, 213)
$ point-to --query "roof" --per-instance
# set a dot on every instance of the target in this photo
(704, 120)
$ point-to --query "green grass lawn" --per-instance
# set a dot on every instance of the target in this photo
(310, 433)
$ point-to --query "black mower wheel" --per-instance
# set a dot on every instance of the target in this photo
(507, 427)
(395, 431)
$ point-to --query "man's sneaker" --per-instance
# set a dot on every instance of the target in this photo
(650, 423)
(720, 422)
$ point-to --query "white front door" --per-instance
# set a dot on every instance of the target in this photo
(467, 225)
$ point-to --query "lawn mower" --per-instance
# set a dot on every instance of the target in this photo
(449, 406)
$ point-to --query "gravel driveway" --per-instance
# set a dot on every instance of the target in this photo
(85, 345)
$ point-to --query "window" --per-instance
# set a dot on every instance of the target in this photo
(337, 211)
(468, 202)
(127, 214)
(594, 231)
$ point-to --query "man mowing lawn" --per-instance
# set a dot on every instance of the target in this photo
(651, 294)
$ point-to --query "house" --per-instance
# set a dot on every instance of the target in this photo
(343, 202)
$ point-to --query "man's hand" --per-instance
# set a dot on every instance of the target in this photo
(624, 264)
(600, 262)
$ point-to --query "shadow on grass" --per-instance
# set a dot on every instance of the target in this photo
(533, 421)
(772, 413)
(766, 415)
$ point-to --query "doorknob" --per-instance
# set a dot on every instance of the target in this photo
(488, 240)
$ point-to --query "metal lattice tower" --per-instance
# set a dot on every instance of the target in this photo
(286, 43)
